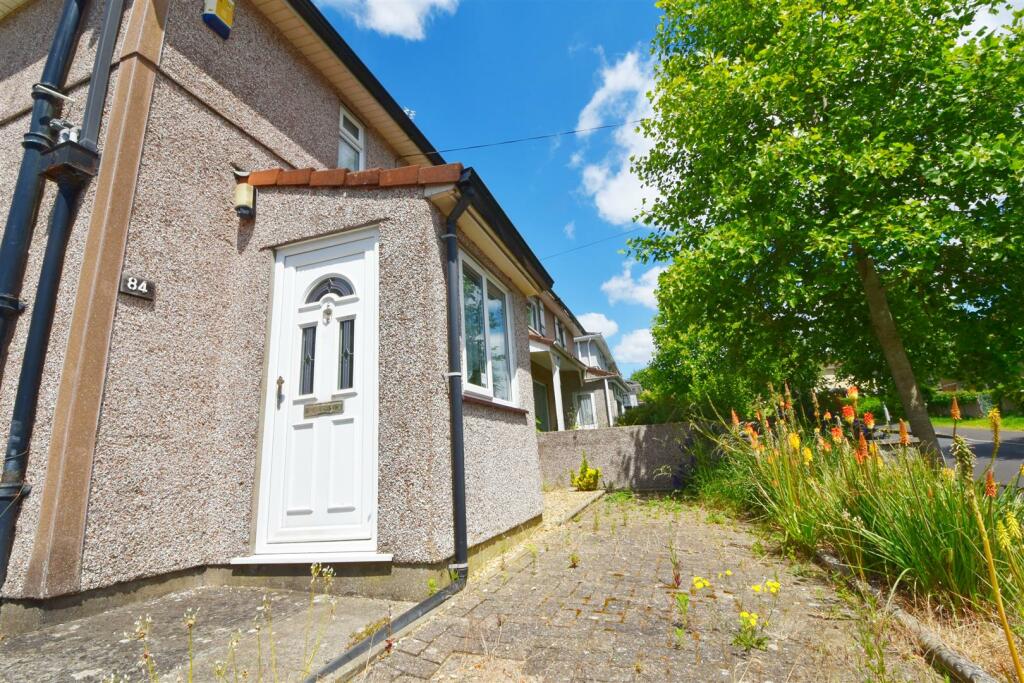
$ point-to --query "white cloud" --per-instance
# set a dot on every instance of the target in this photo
(405, 18)
(621, 97)
(636, 347)
(599, 322)
(623, 287)
(570, 230)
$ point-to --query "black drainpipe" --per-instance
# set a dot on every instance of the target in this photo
(28, 189)
(460, 566)
(71, 164)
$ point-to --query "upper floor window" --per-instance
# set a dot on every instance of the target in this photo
(351, 142)
(486, 333)
(536, 316)
(559, 332)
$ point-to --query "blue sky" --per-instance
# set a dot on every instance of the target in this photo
(483, 71)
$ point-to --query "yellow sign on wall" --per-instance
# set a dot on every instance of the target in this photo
(219, 15)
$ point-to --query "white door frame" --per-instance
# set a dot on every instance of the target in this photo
(321, 550)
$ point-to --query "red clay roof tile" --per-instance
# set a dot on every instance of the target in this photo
(261, 178)
(299, 176)
(333, 177)
(403, 176)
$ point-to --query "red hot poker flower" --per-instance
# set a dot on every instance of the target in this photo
(904, 434)
(853, 393)
(869, 420)
(735, 419)
(848, 414)
(837, 434)
(990, 484)
(954, 410)
(827, 416)
(861, 454)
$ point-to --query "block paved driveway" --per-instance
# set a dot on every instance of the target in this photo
(613, 617)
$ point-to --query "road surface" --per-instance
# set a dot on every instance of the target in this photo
(1011, 450)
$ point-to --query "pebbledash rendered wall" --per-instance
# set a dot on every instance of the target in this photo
(176, 453)
(22, 54)
(641, 458)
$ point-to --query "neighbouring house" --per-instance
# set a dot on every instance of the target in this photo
(230, 396)
(576, 384)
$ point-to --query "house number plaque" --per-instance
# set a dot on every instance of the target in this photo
(319, 409)
(137, 286)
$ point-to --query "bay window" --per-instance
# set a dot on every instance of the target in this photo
(486, 333)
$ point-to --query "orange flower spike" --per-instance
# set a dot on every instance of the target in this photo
(869, 420)
(848, 414)
(837, 434)
(990, 484)
(853, 393)
(735, 420)
(861, 453)
(954, 410)
(827, 416)
(904, 434)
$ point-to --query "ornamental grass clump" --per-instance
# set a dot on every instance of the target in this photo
(889, 513)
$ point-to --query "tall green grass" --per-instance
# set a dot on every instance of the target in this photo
(891, 515)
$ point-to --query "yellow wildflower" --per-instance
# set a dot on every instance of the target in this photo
(808, 456)
(756, 588)
(794, 441)
(749, 619)
(700, 582)
(728, 572)
(773, 587)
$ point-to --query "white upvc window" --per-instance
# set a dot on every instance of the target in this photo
(586, 412)
(488, 354)
(351, 142)
(536, 314)
(559, 332)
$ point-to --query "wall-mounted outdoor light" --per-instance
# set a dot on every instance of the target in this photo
(245, 195)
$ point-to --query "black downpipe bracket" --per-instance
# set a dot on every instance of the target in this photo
(28, 188)
(460, 567)
(71, 164)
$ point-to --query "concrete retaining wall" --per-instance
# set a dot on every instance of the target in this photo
(642, 458)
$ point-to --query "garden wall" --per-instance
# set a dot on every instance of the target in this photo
(642, 457)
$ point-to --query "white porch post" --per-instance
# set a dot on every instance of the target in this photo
(556, 379)
(608, 403)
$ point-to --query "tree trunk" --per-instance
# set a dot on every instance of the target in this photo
(896, 356)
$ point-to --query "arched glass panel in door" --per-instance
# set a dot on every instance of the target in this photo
(338, 286)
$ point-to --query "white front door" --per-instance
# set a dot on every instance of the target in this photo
(318, 478)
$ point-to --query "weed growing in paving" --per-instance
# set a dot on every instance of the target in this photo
(321, 579)
(574, 560)
(532, 549)
(750, 635)
(431, 586)
(673, 558)
(682, 602)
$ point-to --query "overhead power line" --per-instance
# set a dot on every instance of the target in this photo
(590, 244)
(532, 138)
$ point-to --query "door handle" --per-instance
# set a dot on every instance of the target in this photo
(280, 391)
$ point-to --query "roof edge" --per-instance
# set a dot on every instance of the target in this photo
(489, 208)
(318, 22)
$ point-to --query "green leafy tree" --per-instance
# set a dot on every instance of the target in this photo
(839, 182)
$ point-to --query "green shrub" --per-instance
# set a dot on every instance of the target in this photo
(587, 478)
